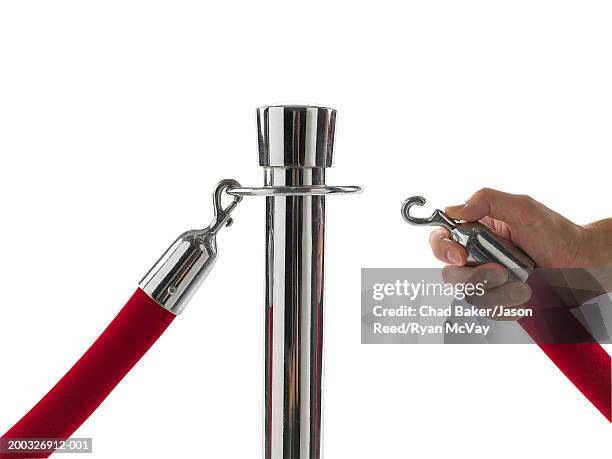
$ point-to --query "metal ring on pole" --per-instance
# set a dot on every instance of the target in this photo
(302, 190)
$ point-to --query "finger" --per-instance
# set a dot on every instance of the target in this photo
(490, 274)
(511, 294)
(495, 204)
(445, 249)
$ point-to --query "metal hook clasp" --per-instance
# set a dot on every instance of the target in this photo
(222, 214)
(437, 218)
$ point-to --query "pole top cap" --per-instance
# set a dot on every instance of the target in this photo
(295, 135)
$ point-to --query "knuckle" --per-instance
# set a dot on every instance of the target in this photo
(481, 195)
(483, 192)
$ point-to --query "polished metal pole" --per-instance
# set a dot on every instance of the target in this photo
(295, 147)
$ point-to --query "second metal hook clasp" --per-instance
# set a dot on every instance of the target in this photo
(437, 218)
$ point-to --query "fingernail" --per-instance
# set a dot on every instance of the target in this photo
(519, 292)
(495, 277)
(454, 257)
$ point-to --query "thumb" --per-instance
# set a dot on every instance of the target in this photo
(492, 203)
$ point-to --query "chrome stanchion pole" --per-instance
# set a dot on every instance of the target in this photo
(295, 147)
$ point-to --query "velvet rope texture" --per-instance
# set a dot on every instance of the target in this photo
(79, 393)
(583, 360)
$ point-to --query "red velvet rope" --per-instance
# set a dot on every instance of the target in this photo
(585, 362)
(142, 321)
(79, 393)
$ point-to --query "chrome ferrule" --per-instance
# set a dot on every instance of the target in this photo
(180, 271)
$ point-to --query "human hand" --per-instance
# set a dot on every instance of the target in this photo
(549, 238)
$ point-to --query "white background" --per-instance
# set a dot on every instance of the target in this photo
(116, 120)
